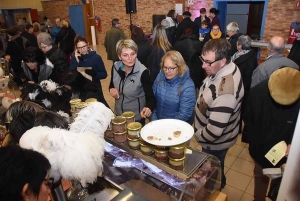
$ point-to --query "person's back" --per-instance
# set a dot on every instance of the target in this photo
(275, 60)
(185, 24)
(113, 35)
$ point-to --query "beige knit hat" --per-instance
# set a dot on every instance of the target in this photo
(284, 85)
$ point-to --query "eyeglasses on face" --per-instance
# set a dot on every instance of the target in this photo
(208, 62)
(49, 182)
(171, 69)
(80, 48)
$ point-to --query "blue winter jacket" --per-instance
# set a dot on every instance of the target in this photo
(92, 59)
(175, 98)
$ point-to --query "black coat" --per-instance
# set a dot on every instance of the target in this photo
(31, 38)
(153, 62)
(268, 123)
(184, 25)
(246, 63)
(190, 49)
(144, 50)
(14, 49)
(233, 39)
(171, 34)
(198, 21)
(65, 39)
(59, 60)
(295, 52)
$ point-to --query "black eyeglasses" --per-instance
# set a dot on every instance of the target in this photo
(49, 182)
(80, 48)
(208, 62)
(169, 68)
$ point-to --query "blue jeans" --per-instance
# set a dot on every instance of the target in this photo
(220, 154)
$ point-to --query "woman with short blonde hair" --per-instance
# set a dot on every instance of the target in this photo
(130, 83)
(174, 90)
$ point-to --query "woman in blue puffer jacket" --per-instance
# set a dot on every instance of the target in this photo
(174, 90)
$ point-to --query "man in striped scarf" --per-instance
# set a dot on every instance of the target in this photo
(218, 106)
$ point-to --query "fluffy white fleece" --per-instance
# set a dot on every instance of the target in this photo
(72, 155)
(48, 85)
(94, 118)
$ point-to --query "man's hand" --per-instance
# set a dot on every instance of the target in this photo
(288, 150)
(114, 93)
(146, 112)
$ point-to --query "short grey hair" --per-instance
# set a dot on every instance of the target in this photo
(245, 42)
(45, 38)
(233, 26)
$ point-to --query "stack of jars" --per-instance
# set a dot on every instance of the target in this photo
(77, 105)
(177, 156)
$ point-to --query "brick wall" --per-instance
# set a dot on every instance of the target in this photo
(280, 14)
(107, 10)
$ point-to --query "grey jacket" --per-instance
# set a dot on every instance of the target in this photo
(44, 73)
(265, 69)
(132, 95)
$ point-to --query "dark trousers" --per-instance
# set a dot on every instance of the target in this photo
(261, 183)
(220, 154)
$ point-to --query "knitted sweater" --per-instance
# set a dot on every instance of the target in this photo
(218, 109)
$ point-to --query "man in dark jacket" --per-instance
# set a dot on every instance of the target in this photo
(27, 32)
(112, 37)
(271, 116)
(185, 24)
(201, 18)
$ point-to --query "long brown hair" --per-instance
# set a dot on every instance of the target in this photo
(160, 39)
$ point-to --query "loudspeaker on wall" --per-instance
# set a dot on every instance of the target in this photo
(130, 6)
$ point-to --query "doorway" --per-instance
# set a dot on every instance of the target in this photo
(249, 14)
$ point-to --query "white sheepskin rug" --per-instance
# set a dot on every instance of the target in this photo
(72, 155)
(94, 118)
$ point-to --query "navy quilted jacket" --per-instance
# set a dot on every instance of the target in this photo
(175, 99)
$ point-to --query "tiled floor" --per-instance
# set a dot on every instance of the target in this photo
(238, 163)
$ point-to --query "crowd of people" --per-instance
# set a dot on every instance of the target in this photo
(215, 85)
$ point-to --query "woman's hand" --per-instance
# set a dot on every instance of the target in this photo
(114, 93)
(146, 112)
(7, 58)
(77, 55)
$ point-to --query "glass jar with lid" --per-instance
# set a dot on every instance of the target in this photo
(177, 151)
(146, 148)
(130, 116)
(133, 143)
(119, 124)
(73, 102)
(120, 137)
(176, 164)
(134, 129)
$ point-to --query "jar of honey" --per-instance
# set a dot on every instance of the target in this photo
(119, 124)
(130, 116)
(73, 102)
(133, 143)
(161, 155)
(134, 129)
(120, 137)
(146, 148)
(177, 151)
(91, 100)
(176, 164)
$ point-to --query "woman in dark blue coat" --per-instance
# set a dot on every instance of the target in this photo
(86, 57)
(174, 90)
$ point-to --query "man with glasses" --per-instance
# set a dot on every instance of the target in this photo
(218, 106)
(112, 37)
